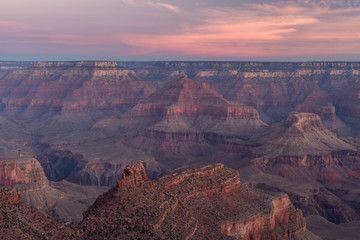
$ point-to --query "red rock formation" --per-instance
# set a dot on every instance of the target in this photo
(283, 213)
(183, 110)
(193, 203)
(70, 86)
(193, 99)
(133, 175)
(300, 134)
(325, 183)
(25, 172)
(10, 196)
(317, 102)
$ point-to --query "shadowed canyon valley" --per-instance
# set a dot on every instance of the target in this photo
(228, 150)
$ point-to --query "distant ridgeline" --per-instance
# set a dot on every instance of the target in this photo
(8, 66)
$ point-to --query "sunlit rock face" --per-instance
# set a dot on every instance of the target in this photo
(26, 173)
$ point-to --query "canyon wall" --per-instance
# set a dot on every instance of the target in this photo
(192, 203)
(276, 123)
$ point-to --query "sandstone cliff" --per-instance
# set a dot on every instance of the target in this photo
(24, 172)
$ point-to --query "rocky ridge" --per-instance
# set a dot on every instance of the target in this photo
(18, 221)
(192, 203)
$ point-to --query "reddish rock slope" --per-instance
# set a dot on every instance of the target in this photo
(206, 202)
(18, 221)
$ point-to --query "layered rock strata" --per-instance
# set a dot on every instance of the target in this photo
(184, 107)
(52, 87)
(24, 172)
(192, 203)
(316, 168)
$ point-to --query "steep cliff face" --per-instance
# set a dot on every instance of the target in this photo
(193, 203)
(25, 173)
(320, 103)
(6, 67)
(282, 214)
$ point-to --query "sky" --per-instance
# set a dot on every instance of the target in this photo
(236, 30)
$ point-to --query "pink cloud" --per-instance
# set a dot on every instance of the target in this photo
(169, 28)
(165, 6)
(280, 29)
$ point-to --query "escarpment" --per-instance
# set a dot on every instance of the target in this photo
(192, 203)
(52, 87)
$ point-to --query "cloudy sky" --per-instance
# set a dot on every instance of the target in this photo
(180, 30)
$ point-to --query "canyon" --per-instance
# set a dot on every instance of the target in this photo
(69, 129)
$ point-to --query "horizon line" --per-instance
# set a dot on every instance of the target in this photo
(146, 61)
